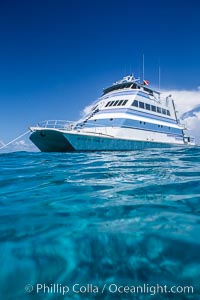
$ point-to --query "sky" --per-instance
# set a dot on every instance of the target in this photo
(56, 56)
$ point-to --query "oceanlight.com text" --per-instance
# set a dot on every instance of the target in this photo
(112, 288)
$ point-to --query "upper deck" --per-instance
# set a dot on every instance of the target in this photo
(129, 93)
(129, 82)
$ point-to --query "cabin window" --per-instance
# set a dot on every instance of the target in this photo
(141, 104)
(108, 104)
(135, 103)
(111, 103)
(159, 110)
(164, 111)
(153, 107)
(168, 112)
(124, 102)
(147, 106)
(120, 102)
(116, 102)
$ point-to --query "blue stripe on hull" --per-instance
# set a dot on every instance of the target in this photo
(135, 112)
(134, 124)
(95, 143)
(56, 141)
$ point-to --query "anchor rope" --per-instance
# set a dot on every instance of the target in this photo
(14, 140)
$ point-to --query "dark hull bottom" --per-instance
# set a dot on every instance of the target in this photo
(51, 141)
(48, 140)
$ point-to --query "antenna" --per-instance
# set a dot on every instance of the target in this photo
(139, 70)
(143, 67)
(159, 77)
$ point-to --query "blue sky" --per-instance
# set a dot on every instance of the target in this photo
(57, 56)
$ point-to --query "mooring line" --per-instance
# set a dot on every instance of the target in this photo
(17, 138)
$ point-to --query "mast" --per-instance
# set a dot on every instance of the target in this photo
(142, 67)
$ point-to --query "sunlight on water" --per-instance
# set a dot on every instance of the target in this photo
(112, 217)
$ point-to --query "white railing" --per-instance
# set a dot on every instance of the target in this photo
(70, 125)
(59, 124)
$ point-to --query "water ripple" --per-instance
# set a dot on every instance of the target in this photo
(122, 217)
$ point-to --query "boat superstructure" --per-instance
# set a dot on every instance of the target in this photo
(128, 116)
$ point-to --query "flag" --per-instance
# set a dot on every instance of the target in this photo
(146, 82)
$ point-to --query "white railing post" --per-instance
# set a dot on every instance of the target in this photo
(62, 124)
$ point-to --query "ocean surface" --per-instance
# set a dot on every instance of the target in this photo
(84, 222)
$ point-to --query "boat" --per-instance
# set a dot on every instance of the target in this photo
(129, 115)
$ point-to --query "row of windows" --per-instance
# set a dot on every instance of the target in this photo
(144, 123)
(147, 106)
(116, 103)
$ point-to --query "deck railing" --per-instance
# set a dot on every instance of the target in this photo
(70, 125)
(59, 124)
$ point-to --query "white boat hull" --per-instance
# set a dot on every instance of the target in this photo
(128, 116)
(52, 140)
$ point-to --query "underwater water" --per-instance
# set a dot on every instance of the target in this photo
(108, 220)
